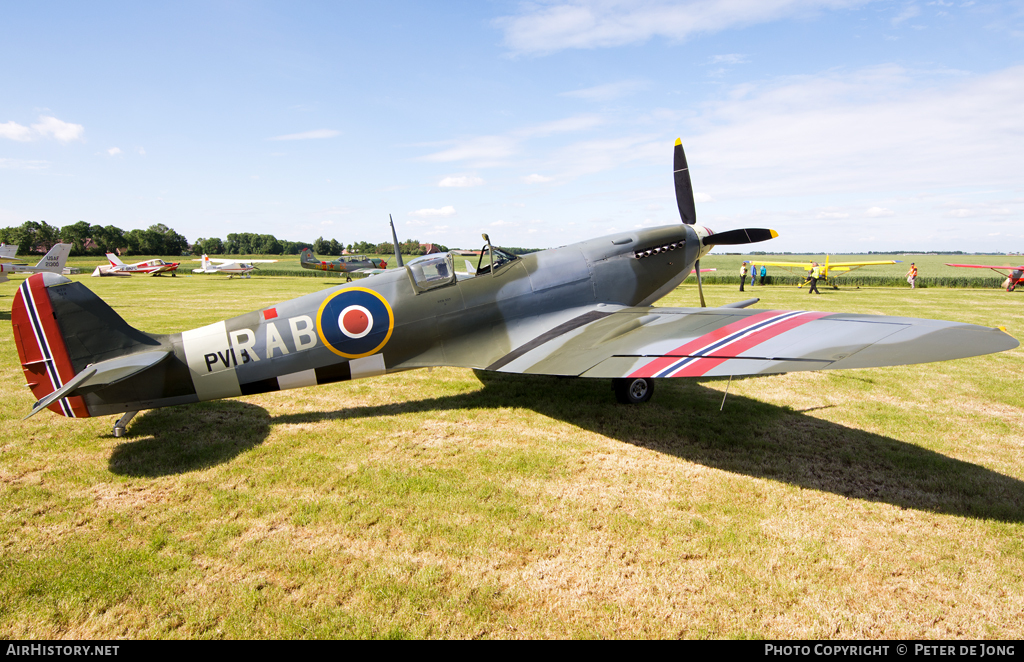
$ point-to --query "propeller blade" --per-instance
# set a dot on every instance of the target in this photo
(700, 289)
(684, 189)
(741, 236)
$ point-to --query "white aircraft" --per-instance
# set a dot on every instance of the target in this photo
(230, 267)
(52, 262)
(8, 252)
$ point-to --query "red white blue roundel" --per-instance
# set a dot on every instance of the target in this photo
(355, 322)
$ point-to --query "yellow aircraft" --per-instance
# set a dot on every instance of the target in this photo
(830, 272)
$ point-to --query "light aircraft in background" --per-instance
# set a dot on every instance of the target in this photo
(119, 268)
(831, 272)
(52, 262)
(8, 252)
(230, 268)
(582, 310)
(1014, 275)
(344, 264)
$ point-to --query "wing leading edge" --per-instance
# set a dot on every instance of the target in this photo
(695, 342)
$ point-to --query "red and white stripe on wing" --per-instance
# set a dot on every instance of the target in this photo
(698, 356)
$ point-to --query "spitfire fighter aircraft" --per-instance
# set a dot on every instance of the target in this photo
(119, 268)
(831, 272)
(52, 262)
(1014, 275)
(345, 264)
(231, 268)
(582, 310)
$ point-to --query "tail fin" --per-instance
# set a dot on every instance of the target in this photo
(58, 338)
(41, 347)
(55, 259)
(115, 261)
(307, 256)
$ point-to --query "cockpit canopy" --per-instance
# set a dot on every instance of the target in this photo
(432, 271)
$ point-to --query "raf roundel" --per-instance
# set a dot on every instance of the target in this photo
(355, 322)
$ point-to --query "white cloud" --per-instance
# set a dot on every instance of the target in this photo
(702, 197)
(485, 150)
(62, 131)
(46, 127)
(910, 11)
(730, 58)
(875, 129)
(537, 179)
(544, 28)
(22, 164)
(491, 151)
(568, 124)
(878, 212)
(15, 131)
(608, 91)
(960, 213)
(309, 135)
(114, 151)
(443, 211)
(462, 181)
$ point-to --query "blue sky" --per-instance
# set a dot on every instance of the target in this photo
(846, 125)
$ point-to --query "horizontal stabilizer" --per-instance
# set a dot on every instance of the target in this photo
(102, 374)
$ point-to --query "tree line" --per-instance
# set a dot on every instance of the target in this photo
(85, 239)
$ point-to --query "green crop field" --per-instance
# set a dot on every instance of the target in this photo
(448, 503)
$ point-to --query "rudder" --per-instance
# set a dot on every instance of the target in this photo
(41, 347)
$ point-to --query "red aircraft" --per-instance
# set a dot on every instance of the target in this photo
(1014, 275)
(119, 268)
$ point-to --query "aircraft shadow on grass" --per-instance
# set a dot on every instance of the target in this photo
(749, 437)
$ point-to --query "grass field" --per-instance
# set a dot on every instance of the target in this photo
(883, 503)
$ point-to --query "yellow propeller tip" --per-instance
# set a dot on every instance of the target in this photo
(679, 141)
(774, 233)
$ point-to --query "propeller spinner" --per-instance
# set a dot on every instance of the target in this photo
(688, 214)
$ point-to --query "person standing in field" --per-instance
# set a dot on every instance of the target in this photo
(763, 272)
(753, 275)
(815, 275)
(912, 275)
(743, 275)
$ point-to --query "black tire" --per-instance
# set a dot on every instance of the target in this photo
(633, 391)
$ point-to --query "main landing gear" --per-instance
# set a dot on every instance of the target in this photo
(633, 390)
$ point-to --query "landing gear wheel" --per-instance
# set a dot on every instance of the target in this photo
(633, 390)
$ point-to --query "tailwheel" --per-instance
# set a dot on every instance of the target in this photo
(633, 390)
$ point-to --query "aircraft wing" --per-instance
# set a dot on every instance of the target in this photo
(609, 341)
(802, 266)
(1004, 268)
(862, 264)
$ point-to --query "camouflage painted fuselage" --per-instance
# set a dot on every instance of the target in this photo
(384, 324)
